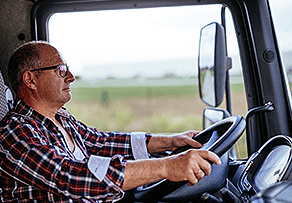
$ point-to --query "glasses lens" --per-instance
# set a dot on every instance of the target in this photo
(63, 69)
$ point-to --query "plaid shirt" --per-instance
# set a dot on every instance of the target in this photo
(37, 165)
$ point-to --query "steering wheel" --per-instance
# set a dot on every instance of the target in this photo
(221, 136)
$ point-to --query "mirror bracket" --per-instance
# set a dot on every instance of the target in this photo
(228, 63)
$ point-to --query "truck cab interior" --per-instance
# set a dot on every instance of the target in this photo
(220, 66)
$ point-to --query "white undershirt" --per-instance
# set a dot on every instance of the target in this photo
(77, 152)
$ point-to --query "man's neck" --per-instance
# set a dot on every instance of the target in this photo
(46, 109)
(50, 113)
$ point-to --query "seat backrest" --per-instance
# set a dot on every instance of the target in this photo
(6, 98)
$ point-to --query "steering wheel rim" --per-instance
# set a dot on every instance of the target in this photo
(233, 127)
(225, 141)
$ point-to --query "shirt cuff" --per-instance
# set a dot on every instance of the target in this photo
(98, 166)
(138, 143)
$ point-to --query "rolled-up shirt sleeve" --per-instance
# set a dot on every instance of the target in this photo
(100, 166)
(108, 151)
(139, 148)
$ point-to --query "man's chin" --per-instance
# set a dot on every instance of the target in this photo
(67, 98)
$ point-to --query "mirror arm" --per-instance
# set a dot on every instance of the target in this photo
(227, 91)
(227, 87)
(228, 64)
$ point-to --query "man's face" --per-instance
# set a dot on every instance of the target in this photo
(52, 88)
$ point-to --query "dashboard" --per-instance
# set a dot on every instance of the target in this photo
(273, 167)
(269, 165)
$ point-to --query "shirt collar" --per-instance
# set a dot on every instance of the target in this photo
(22, 108)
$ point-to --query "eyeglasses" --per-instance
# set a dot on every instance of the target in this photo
(63, 69)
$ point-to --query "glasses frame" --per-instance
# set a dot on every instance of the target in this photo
(54, 67)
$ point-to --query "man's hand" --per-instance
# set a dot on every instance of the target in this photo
(161, 143)
(185, 138)
(191, 165)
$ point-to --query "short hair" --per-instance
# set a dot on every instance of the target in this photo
(25, 57)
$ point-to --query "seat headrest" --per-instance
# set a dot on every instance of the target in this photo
(6, 98)
(9, 98)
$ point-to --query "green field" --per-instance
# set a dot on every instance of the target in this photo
(152, 109)
(95, 93)
(161, 109)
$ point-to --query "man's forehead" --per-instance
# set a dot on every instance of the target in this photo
(49, 55)
(47, 51)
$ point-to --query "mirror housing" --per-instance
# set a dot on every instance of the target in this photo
(213, 115)
(212, 64)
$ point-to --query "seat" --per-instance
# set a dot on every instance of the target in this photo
(6, 98)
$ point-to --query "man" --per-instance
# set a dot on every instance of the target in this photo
(48, 156)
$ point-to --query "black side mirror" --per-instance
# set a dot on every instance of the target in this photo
(212, 64)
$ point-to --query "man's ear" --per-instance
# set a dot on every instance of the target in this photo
(29, 80)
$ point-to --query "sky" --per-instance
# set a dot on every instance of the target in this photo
(96, 44)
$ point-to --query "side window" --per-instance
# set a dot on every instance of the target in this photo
(282, 20)
(136, 69)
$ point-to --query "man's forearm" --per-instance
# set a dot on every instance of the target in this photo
(141, 172)
(191, 165)
(180, 167)
(159, 143)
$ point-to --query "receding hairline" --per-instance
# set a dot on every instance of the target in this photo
(33, 43)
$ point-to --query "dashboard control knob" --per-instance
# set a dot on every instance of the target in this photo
(208, 198)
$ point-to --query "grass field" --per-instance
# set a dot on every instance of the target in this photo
(162, 109)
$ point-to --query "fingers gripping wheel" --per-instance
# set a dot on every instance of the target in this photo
(220, 137)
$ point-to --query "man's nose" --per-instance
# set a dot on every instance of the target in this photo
(70, 77)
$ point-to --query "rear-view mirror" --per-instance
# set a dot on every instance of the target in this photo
(212, 64)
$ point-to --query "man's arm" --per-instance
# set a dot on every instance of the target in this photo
(190, 166)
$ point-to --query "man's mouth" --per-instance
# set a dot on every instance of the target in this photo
(67, 89)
